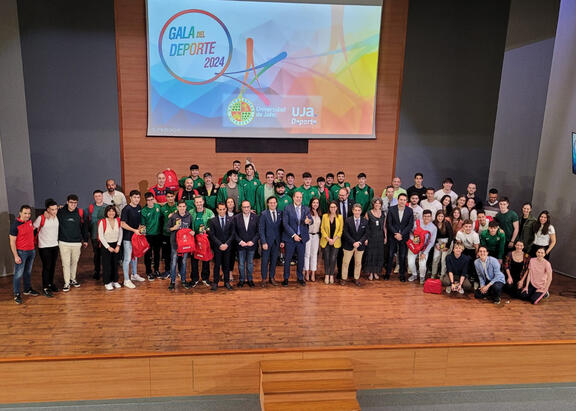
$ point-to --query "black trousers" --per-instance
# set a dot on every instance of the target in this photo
(493, 292)
(48, 255)
(97, 255)
(221, 262)
(400, 248)
(166, 252)
(330, 254)
(155, 242)
(472, 275)
(194, 270)
(109, 265)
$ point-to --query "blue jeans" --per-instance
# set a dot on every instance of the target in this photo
(128, 260)
(245, 262)
(23, 269)
(174, 265)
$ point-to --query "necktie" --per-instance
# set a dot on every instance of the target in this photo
(222, 222)
(298, 217)
(357, 222)
(273, 216)
(343, 212)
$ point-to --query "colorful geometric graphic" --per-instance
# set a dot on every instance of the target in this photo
(262, 69)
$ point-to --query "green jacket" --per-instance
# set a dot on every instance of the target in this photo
(283, 201)
(207, 215)
(223, 195)
(527, 233)
(335, 188)
(260, 198)
(250, 188)
(363, 197)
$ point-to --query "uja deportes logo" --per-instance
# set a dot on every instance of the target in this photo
(241, 111)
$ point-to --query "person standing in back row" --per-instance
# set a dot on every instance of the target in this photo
(72, 236)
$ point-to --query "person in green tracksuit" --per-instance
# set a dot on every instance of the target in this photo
(167, 210)
(340, 183)
(362, 193)
(283, 198)
(151, 216)
(290, 186)
(250, 184)
(265, 191)
(324, 194)
(494, 240)
(231, 190)
(236, 164)
(195, 176)
(307, 190)
(199, 216)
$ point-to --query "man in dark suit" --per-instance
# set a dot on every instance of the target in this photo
(354, 239)
(221, 233)
(295, 220)
(399, 222)
(345, 205)
(269, 227)
(246, 232)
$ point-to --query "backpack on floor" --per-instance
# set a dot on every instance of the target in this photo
(171, 180)
(185, 241)
(203, 251)
(139, 245)
(433, 286)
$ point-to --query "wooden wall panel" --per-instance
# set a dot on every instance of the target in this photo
(143, 157)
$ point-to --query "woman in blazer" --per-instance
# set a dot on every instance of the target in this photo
(331, 229)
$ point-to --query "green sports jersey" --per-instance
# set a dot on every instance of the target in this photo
(96, 215)
(201, 219)
(198, 183)
(325, 198)
(151, 219)
(363, 196)
(290, 191)
(261, 197)
(283, 201)
(249, 188)
(308, 194)
(166, 210)
(335, 188)
(496, 244)
(241, 176)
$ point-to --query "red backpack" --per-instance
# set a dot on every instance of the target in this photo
(185, 241)
(103, 222)
(420, 240)
(203, 251)
(42, 222)
(139, 245)
(433, 286)
(171, 180)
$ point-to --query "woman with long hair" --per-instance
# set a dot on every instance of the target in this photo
(311, 252)
(331, 228)
(446, 202)
(544, 235)
(536, 281)
(443, 246)
(375, 251)
(469, 210)
(456, 220)
(515, 266)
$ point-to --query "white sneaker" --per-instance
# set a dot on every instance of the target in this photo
(109, 286)
(422, 280)
(129, 284)
(116, 285)
(136, 277)
(448, 290)
(461, 290)
(412, 277)
(206, 284)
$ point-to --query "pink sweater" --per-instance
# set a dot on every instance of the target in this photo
(540, 271)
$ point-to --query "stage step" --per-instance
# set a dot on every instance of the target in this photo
(324, 384)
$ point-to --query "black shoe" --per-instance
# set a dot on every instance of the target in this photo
(386, 277)
(186, 285)
(194, 285)
(47, 293)
(402, 279)
(53, 288)
(497, 300)
(164, 275)
(172, 286)
(251, 284)
(214, 287)
(357, 283)
(18, 299)
(74, 283)
(302, 283)
(96, 276)
(240, 284)
(285, 283)
(156, 274)
(151, 277)
(228, 286)
(31, 292)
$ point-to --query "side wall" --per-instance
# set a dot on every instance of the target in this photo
(143, 157)
(555, 184)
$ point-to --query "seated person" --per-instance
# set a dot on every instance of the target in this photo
(537, 279)
(457, 265)
(491, 278)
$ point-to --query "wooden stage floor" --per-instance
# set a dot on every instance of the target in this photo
(90, 321)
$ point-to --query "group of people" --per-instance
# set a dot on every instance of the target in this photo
(470, 244)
